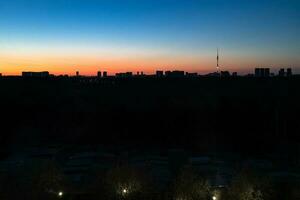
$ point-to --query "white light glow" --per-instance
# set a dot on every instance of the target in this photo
(60, 194)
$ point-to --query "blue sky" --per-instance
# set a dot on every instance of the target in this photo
(148, 34)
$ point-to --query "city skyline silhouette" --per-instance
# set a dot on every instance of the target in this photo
(150, 99)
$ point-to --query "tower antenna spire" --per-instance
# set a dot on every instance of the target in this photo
(218, 68)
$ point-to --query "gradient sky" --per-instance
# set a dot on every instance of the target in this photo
(63, 36)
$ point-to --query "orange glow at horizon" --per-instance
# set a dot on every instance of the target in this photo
(59, 63)
(89, 65)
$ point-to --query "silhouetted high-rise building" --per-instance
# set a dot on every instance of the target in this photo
(36, 74)
(289, 72)
(105, 74)
(262, 72)
(175, 74)
(234, 74)
(267, 72)
(257, 72)
(191, 74)
(225, 74)
(99, 74)
(0, 74)
(77, 73)
(159, 73)
(281, 72)
(124, 75)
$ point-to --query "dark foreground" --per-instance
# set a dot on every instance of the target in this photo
(173, 138)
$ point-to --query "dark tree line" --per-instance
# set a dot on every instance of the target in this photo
(247, 115)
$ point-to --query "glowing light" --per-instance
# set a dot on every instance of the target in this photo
(124, 191)
(214, 198)
(60, 194)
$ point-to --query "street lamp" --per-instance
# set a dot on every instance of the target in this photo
(60, 194)
(124, 191)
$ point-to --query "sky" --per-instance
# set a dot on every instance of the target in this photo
(65, 36)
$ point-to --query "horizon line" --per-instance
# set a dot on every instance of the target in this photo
(141, 72)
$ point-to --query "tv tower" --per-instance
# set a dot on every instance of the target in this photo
(218, 68)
